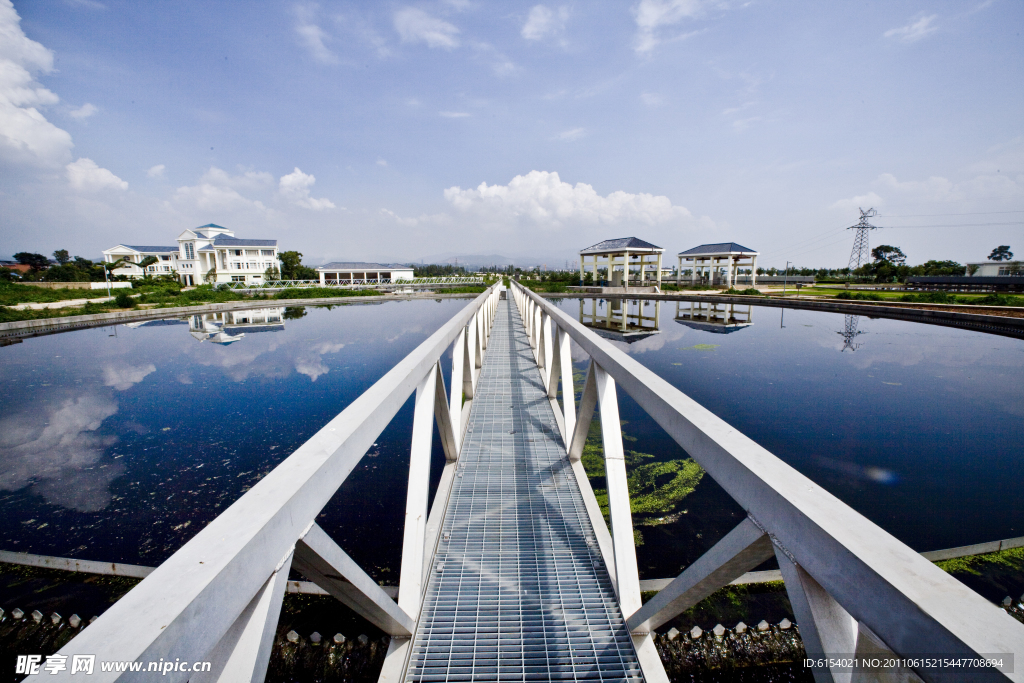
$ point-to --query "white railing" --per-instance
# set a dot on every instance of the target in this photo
(854, 588)
(356, 284)
(218, 598)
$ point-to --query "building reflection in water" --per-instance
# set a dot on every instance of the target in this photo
(710, 316)
(227, 327)
(621, 319)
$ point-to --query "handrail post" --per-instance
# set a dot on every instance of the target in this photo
(568, 388)
(627, 575)
(455, 403)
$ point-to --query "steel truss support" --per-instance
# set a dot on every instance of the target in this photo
(244, 651)
(742, 549)
(323, 562)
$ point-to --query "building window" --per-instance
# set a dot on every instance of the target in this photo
(190, 251)
(385, 276)
(268, 252)
(237, 252)
(238, 278)
(236, 265)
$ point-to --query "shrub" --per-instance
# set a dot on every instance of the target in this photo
(125, 300)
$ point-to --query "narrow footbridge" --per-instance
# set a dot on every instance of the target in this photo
(510, 573)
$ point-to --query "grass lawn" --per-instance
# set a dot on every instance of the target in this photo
(11, 294)
(918, 297)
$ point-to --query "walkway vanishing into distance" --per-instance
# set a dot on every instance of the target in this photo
(511, 573)
(518, 589)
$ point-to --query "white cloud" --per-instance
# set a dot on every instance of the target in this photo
(310, 362)
(25, 134)
(247, 180)
(863, 201)
(85, 175)
(210, 197)
(454, 114)
(83, 112)
(651, 99)
(543, 23)
(55, 449)
(295, 188)
(914, 31)
(125, 377)
(416, 26)
(382, 162)
(311, 36)
(573, 134)
(653, 16)
(156, 171)
(543, 199)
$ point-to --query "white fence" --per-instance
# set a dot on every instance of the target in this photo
(854, 588)
(219, 597)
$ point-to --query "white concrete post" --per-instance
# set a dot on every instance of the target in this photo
(628, 583)
(753, 271)
(410, 585)
(659, 271)
(581, 269)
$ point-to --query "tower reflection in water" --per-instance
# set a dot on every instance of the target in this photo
(621, 319)
(710, 316)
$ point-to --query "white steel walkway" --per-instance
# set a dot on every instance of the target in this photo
(518, 589)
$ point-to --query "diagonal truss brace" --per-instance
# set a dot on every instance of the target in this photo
(324, 563)
(742, 549)
(243, 653)
(826, 628)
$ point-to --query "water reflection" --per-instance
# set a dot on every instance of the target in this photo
(850, 332)
(721, 318)
(620, 319)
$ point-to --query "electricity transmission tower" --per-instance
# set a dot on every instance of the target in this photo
(850, 332)
(861, 253)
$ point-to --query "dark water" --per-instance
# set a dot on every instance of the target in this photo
(120, 444)
(918, 427)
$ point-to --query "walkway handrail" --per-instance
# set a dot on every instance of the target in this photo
(218, 598)
(848, 580)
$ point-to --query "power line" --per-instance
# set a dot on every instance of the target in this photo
(952, 225)
(939, 215)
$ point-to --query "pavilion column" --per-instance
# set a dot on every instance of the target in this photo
(731, 271)
(693, 271)
(753, 271)
(582, 257)
(659, 271)
(625, 271)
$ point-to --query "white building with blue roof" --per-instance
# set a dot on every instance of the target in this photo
(207, 254)
(718, 263)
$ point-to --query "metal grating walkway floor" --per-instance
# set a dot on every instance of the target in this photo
(518, 590)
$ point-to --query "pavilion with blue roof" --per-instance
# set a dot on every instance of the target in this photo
(718, 263)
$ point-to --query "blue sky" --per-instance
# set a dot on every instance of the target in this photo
(412, 130)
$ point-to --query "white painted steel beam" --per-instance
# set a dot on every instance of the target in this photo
(909, 603)
(443, 417)
(826, 629)
(742, 549)
(410, 582)
(434, 519)
(627, 576)
(604, 537)
(243, 653)
(588, 401)
(458, 369)
(323, 562)
(568, 388)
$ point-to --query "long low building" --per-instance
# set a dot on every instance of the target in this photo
(353, 271)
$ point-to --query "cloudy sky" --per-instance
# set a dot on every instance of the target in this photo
(394, 130)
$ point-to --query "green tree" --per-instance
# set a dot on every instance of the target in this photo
(62, 256)
(891, 255)
(34, 261)
(271, 273)
(1000, 253)
(292, 268)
